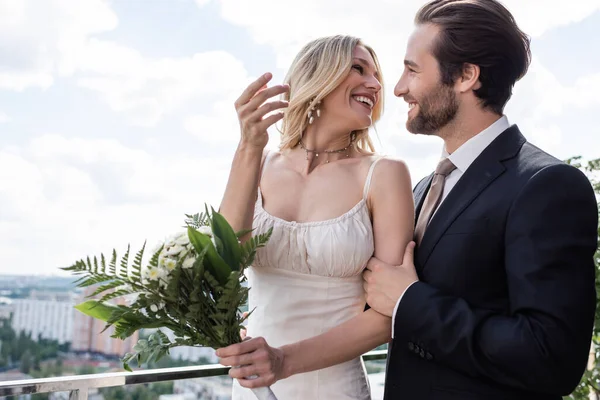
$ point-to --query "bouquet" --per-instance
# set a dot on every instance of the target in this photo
(192, 285)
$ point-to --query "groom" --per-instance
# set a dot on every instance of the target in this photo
(501, 302)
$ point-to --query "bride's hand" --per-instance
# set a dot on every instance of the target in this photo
(251, 108)
(255, 357)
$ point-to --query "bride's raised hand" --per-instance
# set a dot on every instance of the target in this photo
(251, 108)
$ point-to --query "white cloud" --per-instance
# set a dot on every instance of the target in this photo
(217, 127)
(536, 17)
(57, 198)
(286, 26)
(40, 39)
(4, 118)
(146, 89)
(385, 24)
(540, 101)
(584, 93)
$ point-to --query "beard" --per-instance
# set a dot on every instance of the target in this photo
(436, 110)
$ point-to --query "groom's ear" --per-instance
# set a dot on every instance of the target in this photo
(469, 78)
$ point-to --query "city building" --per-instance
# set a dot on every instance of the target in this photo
(6, 307)
(45, 314)
(88, 335)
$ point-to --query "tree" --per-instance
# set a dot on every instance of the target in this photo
(589, 387)
(36, 361)
(26, 362)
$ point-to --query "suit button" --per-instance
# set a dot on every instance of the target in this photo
(422, 353)
(428, 356)
(411, 346)
(417, 349)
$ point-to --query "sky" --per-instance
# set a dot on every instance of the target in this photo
(117, 117)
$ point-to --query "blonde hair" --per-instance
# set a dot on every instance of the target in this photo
(317, 70)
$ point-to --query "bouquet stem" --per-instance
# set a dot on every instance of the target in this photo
(261, 393)
(264, 393)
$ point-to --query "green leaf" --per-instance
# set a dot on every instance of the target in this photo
(212, 261)
(122, 273)
(251, 245)
(197, 220)
(113, 263)
(231, 247)
(136, 268)
(116, 283)
(96, 309)
(114, 295)
(243, 233)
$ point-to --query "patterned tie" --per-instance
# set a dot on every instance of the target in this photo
(432, 200)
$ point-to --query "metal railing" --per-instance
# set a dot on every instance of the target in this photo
(78, 385)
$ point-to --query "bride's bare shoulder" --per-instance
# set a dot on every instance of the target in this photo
(390, 170)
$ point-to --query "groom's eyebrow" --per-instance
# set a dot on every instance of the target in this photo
(411, 64)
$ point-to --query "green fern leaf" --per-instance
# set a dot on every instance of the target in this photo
(108, 286)
(136, 268)
(95, 280)
(124, 264)
(113, 263)
(114, 295)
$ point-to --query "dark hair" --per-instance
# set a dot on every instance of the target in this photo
(484, 33)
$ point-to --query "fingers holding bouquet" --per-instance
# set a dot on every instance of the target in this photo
(255, 363)
(252, 107)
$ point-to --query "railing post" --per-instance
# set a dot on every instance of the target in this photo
(78, 394)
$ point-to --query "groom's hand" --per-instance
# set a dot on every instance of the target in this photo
(384, 284)
(256, 358)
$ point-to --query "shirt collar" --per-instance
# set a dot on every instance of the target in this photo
(464, 156)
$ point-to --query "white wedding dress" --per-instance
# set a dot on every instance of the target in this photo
(305, 281)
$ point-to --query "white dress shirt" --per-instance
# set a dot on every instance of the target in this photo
(462, 158)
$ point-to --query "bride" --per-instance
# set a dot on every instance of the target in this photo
(333, 204)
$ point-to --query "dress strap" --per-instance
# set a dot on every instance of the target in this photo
(264, 163)
(369, 176)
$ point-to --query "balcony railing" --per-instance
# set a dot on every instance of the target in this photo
(78, 386)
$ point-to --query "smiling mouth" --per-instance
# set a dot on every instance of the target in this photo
(411, 106)
(365, 101)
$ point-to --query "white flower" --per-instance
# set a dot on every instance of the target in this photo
(170, 264)
(189, 262)
(190, 248)
(205, 230)
(155, 307)
(155, 274)
(173, 251)
(182, 239)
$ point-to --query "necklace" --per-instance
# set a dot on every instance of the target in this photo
(328, 152)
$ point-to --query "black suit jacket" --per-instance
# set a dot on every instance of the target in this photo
(505, 304)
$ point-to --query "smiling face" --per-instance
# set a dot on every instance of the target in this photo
(353, 100)
(432, 104)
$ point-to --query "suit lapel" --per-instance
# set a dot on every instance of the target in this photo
(482, 172)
